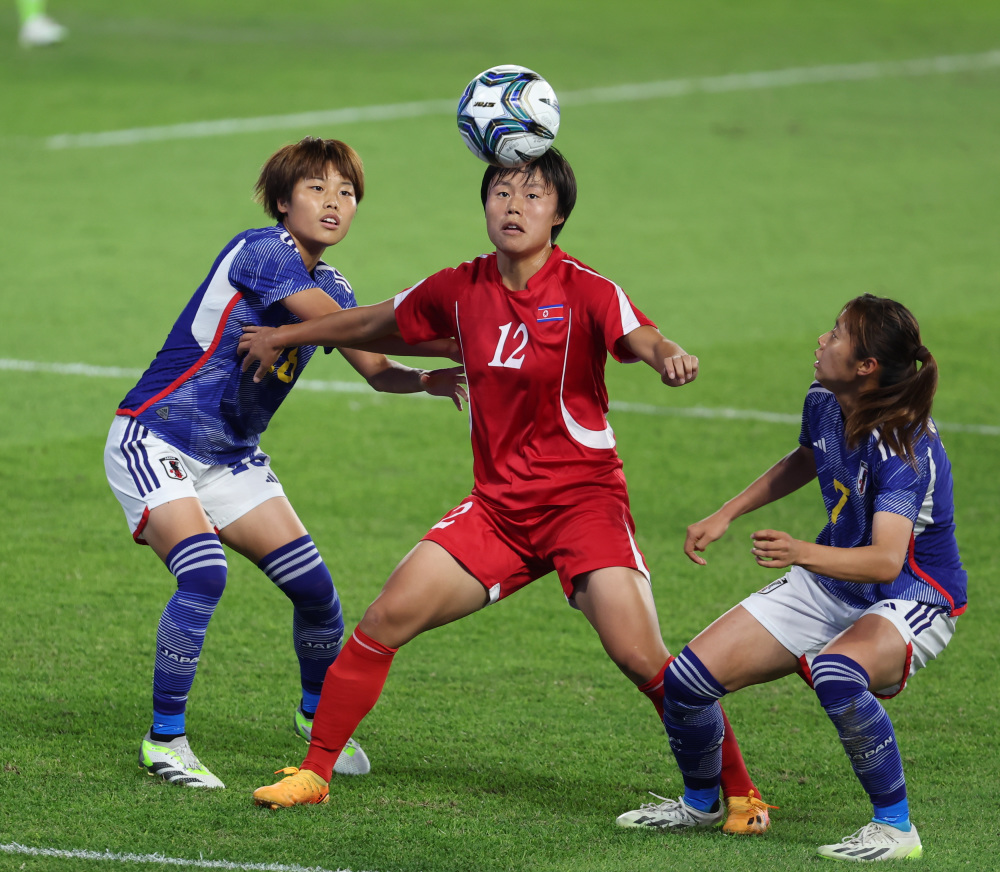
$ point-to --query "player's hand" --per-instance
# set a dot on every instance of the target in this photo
(775, 549)
(679, 370)
(701, 534)
(257, 347)
(447, 383)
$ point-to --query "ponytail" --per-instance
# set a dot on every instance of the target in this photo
(900, 407)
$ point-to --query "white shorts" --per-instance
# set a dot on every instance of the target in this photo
(145, 472)
(803, 616)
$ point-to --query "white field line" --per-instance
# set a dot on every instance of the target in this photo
(158, 859)
(341, 387)
(620, 93)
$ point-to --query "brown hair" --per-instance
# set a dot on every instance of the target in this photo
(900, 407)
(306, 159)
(554, 170)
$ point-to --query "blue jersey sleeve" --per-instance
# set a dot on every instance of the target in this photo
(269, 269)
(899, 488)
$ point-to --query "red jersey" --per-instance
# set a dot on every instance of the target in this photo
(534, 360)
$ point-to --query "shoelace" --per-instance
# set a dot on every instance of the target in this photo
(186, 757)
(870, 834)
(756, 801)
(667, 804)
(664, 801)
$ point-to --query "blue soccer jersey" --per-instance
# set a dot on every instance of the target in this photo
(858, 483)
(194, 394)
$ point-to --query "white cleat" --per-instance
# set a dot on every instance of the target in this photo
(670, 814)
(40, 30)
(875, 842)
(175, 763)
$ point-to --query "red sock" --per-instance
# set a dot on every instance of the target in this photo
(352, 686)
(736, 781)
(654, 688)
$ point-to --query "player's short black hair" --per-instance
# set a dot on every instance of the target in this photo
(308, 158)
(553, 168)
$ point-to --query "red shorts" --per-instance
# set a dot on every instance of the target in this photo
(507, 550)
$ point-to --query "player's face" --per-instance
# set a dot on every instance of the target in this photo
(319, 213)
(520, 213)
(836, 365)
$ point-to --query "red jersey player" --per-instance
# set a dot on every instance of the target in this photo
(534, 326)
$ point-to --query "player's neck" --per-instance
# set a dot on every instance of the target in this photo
(848, 395)
(516, 269)
(310, 258)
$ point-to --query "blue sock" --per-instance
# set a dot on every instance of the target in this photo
(310, 701)
(693, 720)
(865, 732)
(199, 565)
(703, 800)
(318, 622)
(896, 815)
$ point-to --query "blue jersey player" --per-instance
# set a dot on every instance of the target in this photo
(862, 608)
(183, 455)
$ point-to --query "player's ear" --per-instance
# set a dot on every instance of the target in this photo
(868, 366)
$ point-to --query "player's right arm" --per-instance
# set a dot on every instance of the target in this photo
(346, 328)
(786, 476)
(675, 366)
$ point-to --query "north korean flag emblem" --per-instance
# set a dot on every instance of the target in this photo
(550, 313)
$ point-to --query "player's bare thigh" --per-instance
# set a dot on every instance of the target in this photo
(254, 535)
(875, 644)
(618, 602)
(263, 529)
(173, 522)
(739, 651)
(429, 588)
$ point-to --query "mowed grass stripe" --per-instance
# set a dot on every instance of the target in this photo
(158, 860)
(785, 78)
(341, 387)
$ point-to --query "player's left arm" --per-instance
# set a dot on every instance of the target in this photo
(878, 563)
(324, 322)
(391, 377)
(675, 366)
(315, 302)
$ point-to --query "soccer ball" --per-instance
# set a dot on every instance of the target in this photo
(508, 116)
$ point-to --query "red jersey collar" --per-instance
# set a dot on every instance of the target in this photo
(540, 277)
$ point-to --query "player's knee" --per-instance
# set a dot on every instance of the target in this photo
(640, 666)
(298, 570)
(388, 624)
(199, 565)
(837, 681)
(207, 584)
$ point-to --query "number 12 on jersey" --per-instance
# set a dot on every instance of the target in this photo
(515, 358)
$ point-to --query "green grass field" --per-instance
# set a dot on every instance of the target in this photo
(739, 214)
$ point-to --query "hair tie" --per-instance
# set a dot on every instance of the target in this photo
(922, 354)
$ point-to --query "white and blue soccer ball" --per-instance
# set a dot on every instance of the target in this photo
(508, 115)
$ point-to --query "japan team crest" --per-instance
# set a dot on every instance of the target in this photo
(862, 482)
(174, 468)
